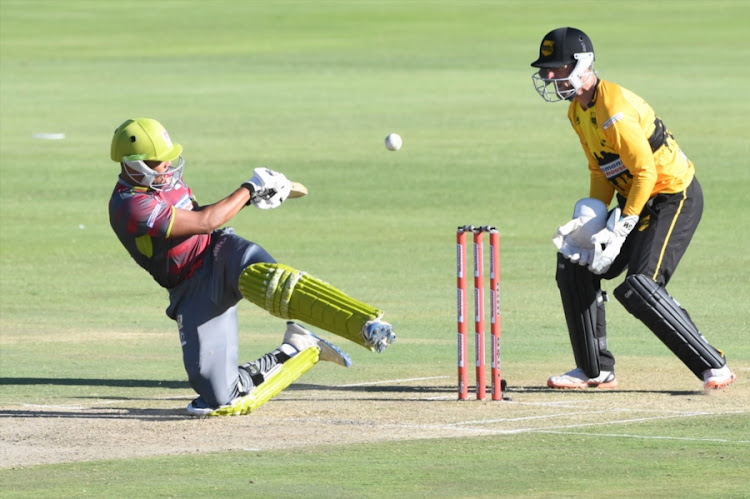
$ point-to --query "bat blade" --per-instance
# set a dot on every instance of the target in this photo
(298, 190)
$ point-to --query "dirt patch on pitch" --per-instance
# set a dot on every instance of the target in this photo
(314, 415)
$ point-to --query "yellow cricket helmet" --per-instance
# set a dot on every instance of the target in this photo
(144, 139)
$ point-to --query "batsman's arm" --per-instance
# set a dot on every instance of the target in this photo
(206, 219)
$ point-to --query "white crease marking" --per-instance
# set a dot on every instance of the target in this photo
(385, 381)
(647, 437)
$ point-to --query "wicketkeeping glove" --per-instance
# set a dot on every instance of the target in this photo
(564, 244)
(559, 238)
(581, 256)
(269, 188)
(573, 239)
(608, 241)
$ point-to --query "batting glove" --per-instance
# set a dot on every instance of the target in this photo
(269, 188)
(608, 241)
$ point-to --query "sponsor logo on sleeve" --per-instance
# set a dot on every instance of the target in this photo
(184, 202)
(614, 119)
(154, 213)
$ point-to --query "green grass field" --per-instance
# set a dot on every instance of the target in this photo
(90, 361)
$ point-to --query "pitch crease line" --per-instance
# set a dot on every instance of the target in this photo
(405, 380)
(647, 437)
(453, 426)
(526, 418)
(672, 415)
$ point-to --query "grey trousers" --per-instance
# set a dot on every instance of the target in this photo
(204, 307)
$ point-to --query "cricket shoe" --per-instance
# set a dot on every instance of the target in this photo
(199, 407)
(275, 381)
(378, 335)
(300, 338)
(716, 379)
(577, 379)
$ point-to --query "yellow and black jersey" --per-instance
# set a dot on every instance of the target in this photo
(629, 149)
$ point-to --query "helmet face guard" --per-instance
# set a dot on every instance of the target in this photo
(147, 177)
(557, 89)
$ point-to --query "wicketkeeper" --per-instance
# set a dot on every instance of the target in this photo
(208, 270)
(633, 156)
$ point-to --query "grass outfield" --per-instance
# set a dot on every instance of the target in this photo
(92, 388)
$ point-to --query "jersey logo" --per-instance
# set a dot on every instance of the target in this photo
(613, 168)
(614, 119)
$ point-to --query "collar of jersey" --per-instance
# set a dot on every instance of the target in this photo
(593, 96)
(138, 188)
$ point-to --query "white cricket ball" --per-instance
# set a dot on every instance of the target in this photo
(393, 142)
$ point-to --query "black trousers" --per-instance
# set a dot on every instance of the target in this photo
(664, 231)
(654, 249)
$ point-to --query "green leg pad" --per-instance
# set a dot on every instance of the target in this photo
(291, 294)
(287, 374)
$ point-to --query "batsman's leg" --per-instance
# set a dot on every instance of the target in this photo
(290, 294)
(269, 375)
(276, 379)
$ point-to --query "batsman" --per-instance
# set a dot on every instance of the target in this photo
(633, 158)
(208, 269)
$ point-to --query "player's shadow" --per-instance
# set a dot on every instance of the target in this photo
(118, 383)
(109, 412)
(120, 413)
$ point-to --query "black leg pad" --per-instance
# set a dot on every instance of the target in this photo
(582, 301)
(652, 305)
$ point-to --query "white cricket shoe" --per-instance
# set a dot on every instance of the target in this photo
(716, 379)
(577, 379)
(198, 407)
(300, 338)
